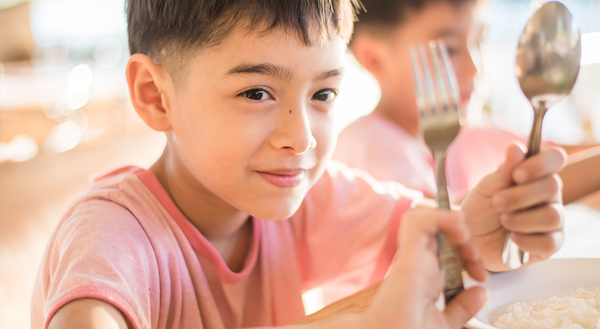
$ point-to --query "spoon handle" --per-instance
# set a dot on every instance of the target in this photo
(535, 138)
(512, 256)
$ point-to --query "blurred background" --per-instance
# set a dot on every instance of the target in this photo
(65, 113)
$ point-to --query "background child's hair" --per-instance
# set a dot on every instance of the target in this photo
(169, 31)
(378, 16)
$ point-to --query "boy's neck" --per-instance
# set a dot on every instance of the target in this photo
(405, 120)
(227, 229)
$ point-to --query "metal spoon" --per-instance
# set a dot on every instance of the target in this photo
(548, 60)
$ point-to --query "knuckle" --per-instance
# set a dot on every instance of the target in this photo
(560, 218)
(546, 246)
(553, 218)
(551, 244)
(552, 185)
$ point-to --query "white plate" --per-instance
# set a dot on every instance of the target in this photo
(537, 281)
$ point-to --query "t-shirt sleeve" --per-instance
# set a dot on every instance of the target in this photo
(99, 251)
(349, 221)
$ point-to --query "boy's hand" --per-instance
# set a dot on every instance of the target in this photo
(523, 199)
(407, 297)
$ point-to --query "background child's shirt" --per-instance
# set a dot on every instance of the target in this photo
(125, 242)
(387, 152)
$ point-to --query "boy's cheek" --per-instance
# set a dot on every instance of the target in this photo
(328, 137)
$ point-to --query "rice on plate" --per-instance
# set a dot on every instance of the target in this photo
(574, 283)
(579, 309)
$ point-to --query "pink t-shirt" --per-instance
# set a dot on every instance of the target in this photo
(125, 242)
(387, 152)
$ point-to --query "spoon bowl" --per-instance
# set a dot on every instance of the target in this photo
(547, 65)
(548, 55)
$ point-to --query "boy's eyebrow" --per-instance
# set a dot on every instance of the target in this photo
(276, 71)
(333, 73)
(265, 69)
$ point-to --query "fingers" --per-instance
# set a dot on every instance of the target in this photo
(465, 305)
(536, 182)
(471, 259)
(419, 229)
(547, 162)
(547, 218)
(472, 262)
(517, 169)
(543, 190)
(542, 245)
(420, 224)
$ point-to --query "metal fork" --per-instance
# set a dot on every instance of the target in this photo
(438, 102)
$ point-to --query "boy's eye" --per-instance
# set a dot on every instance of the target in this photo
(256, 94)
(325, 95)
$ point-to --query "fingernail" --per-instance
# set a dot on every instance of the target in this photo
(498, 202)
(520, 175)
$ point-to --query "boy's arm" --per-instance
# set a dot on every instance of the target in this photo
(581, 175)
(522, 198)
(88, 313)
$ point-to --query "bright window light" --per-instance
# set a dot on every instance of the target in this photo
(590, 48)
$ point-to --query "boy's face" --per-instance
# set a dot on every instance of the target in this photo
(437, 20)
(252, 124)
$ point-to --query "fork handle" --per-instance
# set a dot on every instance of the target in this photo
(451, 267)
(450, 263)
(442, 198)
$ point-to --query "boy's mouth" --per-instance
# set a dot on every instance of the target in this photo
(283, 177)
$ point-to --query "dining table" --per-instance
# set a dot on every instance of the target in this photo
(582, 240)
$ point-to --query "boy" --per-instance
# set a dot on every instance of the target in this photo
(243, 211)
(387, 143)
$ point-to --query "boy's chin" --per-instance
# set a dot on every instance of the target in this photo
(277, 212)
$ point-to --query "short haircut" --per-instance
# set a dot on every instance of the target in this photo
(381, 15)
(170, 31)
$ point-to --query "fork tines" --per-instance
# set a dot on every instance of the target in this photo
(441, 93)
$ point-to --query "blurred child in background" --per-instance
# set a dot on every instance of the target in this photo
(388, 144)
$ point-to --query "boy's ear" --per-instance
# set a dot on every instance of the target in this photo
(150, 90)
(368, 52)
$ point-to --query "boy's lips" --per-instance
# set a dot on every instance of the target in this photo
(283, 177)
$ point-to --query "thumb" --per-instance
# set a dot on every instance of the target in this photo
(465, 305)
(502, 177)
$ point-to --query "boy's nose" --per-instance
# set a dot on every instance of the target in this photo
(294, 131)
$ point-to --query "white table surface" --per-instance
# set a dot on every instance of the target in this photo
(582, 233)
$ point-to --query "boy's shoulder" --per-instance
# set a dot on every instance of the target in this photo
(116, 177)
(103, 248)
(116, 199)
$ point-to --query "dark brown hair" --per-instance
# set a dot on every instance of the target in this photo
(385, 14)
(175, 29)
